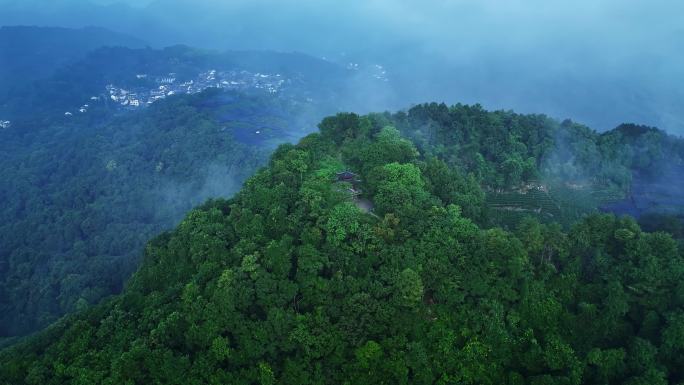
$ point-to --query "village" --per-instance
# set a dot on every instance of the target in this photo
(168, 85)
(5, 123)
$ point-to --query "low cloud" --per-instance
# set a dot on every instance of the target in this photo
(598, 62)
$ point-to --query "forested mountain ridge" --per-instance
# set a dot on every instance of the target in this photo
(292, 281)
(556, 171)
(82, 196)
(178, 68)
(109, 149)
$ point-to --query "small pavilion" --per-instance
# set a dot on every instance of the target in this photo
(347, 176)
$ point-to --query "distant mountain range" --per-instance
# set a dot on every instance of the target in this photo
(41, 76)
(32, 53)
(107, 144)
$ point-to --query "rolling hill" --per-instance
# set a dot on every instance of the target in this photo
(290, 282)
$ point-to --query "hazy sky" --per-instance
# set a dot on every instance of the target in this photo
(452, 26)
(598, 61)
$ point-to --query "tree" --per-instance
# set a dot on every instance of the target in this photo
(400, 189)
(409, 288)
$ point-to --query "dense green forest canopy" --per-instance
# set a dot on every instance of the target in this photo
(293, 281)
(83, 191)
(556, 171)
(505, 148)
(82, 196)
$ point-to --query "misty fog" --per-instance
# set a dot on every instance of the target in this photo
(599, 63)
(272, 191)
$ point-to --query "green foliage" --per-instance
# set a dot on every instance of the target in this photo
(80, 199)
(409, 288)
(289, 282)
(398, 187)
(343, 222)
(531, 165)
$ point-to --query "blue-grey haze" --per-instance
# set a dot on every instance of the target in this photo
(599, 62)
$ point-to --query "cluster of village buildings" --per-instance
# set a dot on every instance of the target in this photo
(168, 85)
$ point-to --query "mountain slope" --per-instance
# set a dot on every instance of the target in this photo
(32, 53)
(292, 281)
(81, 198)
(555, 171)
(325, 86)
(113, 148)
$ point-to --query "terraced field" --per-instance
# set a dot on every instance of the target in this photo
(555, 202)
(508, 208)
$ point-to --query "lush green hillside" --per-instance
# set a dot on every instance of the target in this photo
(291, 282)
(82, 196)
(555, 171)
(86, 181)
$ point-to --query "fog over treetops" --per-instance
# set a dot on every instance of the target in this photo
(328, 192)
(600, 63)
